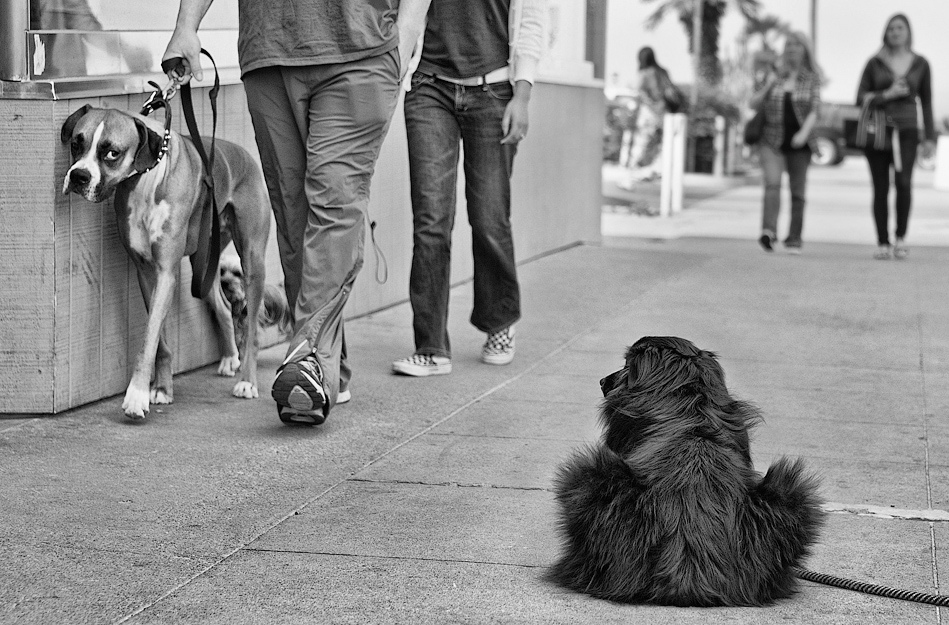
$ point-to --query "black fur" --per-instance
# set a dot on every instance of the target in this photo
(668, 508)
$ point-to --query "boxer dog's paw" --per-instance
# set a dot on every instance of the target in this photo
(229, 366)
(135, 404)
(162, 396)
(245, 390)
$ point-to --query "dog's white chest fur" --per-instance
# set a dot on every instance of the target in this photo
(147, 220)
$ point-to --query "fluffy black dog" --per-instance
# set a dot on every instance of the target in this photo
(668, 508)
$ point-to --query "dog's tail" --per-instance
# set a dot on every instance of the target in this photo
(275, 311)
(784, 515)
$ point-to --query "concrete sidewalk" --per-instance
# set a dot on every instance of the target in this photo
(428, 500)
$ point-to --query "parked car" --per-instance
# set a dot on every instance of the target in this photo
(827, 139)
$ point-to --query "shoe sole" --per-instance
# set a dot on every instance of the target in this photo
(416, 371)
(292, 417)
(295, 404)
(497, 359)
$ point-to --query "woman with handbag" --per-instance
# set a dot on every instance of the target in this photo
(655, 92)
(892, 81)
(788, 98)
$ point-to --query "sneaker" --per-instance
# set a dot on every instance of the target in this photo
(765, 241)
(343, 397)
(298, 391)
(422, 365)
(793, 249)
(499, 348)
(900, 251)
(882, 253)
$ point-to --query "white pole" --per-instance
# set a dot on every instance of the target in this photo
(668, 164)
(718, 165)
(680, 124)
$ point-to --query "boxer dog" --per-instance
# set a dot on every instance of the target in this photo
(158, 199)
(668, 508)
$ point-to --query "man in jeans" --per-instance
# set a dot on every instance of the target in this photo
(472, 87)
(322, 79)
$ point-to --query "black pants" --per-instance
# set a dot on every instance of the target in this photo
(880, 162)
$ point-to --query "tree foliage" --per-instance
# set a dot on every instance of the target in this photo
(710, 65)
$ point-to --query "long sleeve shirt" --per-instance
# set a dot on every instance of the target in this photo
(877, 77)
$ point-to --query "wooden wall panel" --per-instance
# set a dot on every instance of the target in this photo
(26, 256)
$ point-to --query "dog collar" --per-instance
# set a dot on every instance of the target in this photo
(161, 151)
(159, 99)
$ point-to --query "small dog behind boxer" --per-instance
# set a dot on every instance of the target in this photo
(668, 508)
(158, 200)
(274, 312)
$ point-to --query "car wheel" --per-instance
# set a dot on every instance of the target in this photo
(825, 152)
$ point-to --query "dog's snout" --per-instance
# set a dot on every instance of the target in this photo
(79, 177)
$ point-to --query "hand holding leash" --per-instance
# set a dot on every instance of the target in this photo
(182, 58)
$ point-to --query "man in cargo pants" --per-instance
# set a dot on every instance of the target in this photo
(322, 79)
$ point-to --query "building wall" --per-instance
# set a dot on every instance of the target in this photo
(71, 316)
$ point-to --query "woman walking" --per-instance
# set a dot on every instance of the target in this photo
(892, 81)
(790, 98)
(645, 153)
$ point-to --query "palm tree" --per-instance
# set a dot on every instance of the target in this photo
(710, 67)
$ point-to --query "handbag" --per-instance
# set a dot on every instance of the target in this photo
(754, 128)
(672, 96)
(869, 131)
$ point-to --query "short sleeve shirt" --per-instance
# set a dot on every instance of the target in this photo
(314, 32)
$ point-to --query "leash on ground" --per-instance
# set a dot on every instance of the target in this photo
(872, 589)
(204, 262)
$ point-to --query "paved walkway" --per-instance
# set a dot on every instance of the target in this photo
(428, 500)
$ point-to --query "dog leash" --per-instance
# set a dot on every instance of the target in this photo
(872, 589)
(204, 262)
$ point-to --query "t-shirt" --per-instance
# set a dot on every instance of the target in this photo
(466, 38)
(314, 32)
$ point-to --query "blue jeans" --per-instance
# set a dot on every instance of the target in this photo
(440, 117)
(773, 165)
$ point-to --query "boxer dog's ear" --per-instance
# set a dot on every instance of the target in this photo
(65, 134)
(149, 147)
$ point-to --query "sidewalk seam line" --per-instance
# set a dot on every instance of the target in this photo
(297, 509)
(392, 557)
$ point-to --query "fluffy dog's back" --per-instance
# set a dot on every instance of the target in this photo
(668, 508)
(697, 542)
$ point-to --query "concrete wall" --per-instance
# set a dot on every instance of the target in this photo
(71, 316)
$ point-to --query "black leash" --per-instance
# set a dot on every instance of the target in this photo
(204, 262)
(872, 589)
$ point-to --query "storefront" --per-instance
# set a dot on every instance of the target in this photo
(71, 316)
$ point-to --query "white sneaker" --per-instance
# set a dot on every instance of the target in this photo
(422, 365)
(499, 348)
(343, 397)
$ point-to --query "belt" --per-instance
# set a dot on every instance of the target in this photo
(502, 74)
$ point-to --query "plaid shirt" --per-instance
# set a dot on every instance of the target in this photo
(804, 99)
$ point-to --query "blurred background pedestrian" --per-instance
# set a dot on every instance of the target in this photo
(644, 158)
(893, 80)
(790, 99)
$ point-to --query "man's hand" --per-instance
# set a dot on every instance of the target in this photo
(185, 44)
(929, 147)
(514, 124)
